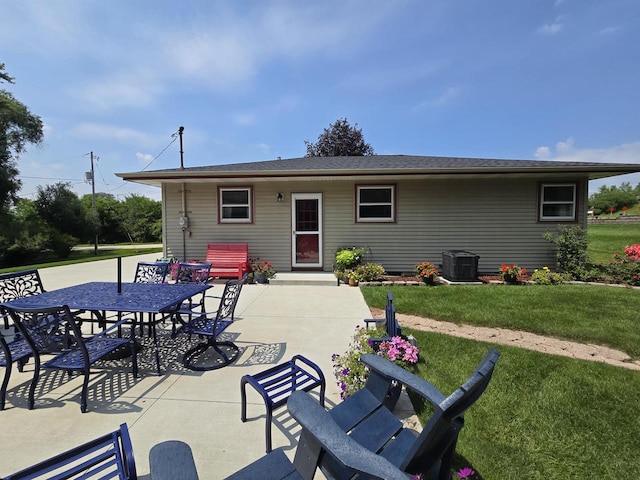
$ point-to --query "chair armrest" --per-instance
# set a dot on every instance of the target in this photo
(317, 423)
(392, 371)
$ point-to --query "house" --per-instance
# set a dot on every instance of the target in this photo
(404, 209)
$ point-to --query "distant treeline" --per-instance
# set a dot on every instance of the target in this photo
(58, 219)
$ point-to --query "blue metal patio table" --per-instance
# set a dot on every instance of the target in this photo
(99, 297)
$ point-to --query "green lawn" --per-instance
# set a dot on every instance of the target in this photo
(81, 256)
(542, 416)
(605, 240)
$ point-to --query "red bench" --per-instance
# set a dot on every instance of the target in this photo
(228, 260)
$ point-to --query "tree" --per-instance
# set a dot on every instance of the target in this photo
(613, 197)
(18, 128)
(110, 214)
(142, 218)
(339, 140)
(62, 210)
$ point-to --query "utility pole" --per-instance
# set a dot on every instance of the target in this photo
(180, 130)
(95, 209)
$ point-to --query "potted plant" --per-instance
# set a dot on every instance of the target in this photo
(513, 273)
(426, 271)
(353, 276)
(262, 270)
(350, 372)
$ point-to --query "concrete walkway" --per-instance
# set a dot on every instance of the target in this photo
(273, 323)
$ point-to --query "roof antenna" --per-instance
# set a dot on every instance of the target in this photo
(180, 130)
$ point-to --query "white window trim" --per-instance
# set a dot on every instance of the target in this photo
(543, 203)
(249, 206)
(390, 219)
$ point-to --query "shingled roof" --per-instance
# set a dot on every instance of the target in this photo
(379, 165)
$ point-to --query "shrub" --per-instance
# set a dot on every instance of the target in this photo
(369, 272)
(632, 252)
(348, 258)
(571, 253)
(545, 276)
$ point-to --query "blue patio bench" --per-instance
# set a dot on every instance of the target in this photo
(108, 456)
(276, 384)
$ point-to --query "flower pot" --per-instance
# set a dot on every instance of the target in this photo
(510, 279)
(353, 283)
(393, 395)
(260, 277)
(429, 280)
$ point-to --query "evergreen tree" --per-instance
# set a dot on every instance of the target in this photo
(339, 140)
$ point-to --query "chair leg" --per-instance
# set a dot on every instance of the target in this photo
(34, 381)
(5, 384)
(190, 355)
(83, 394)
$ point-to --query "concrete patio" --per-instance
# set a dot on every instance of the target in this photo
(273, 323)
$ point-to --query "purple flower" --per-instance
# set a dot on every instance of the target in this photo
(465, 472)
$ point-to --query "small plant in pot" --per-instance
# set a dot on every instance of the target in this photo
(262, 270)
(426, 271)
(512, 273)
(353, 277)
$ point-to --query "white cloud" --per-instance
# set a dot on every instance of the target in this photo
(96, 131)
(543, 153)
(565, 147)
(626, 153)
(244, 119)
(551, 28)
(449, 95)
(144, 158)
(609, 30)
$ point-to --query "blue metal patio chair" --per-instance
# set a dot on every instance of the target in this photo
(109, 456)
(189, 272)
(56, 331)
(210, 327)
(13, 347)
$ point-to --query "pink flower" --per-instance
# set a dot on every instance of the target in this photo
(465, 472)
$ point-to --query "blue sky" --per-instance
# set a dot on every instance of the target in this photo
(251, 80)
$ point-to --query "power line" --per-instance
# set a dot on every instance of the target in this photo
(174, 136)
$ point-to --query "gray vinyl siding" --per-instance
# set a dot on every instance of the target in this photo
(496, 219)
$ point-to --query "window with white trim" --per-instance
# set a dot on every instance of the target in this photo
(235, 205)
(557, 201)
(375, 203)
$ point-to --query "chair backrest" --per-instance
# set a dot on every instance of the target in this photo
(441, 431)
(109, 456)
(151, 272)
(193, 272)
(48, 330)
(321, 437)
(229, 298)
(20, 284)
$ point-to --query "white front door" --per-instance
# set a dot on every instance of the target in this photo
(306, 228)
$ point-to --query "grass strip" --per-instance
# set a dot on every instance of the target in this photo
(542, 416)
(82, 256)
